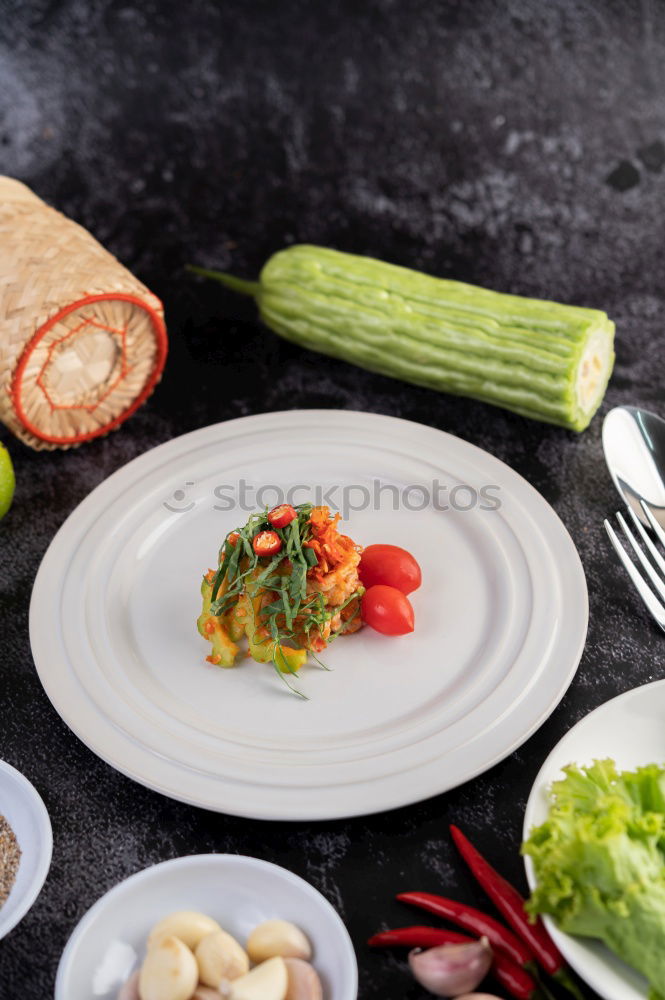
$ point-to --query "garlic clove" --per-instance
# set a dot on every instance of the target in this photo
(220, 957)
(452, 969)
(268, 981)
(130, 991)
(169, 971)
(277, 937)
(304, 982)
(206, 993)
(187, 925)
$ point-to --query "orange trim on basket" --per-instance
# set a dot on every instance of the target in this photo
(160, 360)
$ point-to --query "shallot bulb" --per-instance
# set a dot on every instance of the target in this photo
(452, 969)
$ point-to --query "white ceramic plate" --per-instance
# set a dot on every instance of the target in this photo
(598, 735)
(500, 621)
(238, 892)
(25, 812)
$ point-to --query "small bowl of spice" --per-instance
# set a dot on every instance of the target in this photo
(26, 843)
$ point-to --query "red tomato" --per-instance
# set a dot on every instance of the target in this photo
(280, 516)
(390, 565)
(266, 543)
(387, 610)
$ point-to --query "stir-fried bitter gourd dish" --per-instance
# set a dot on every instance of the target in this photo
(287, 582)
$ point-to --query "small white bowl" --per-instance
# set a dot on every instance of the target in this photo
(238, 892)
(25, 812)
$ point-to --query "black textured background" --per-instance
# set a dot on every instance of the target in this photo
(519, 145)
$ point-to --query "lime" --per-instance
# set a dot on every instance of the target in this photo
(7, 481)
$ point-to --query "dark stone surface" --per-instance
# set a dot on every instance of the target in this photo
(517, 145)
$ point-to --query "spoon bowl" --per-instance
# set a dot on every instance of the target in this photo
(634, 446)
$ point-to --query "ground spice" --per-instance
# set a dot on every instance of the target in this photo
(10, 857)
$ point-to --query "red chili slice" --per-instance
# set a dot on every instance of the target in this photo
(282, 515)
(267, 543)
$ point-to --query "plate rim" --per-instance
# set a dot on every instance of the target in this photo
(178, 446)
(185, 861)
(561, 938)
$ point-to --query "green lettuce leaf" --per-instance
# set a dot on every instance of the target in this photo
(600, 861)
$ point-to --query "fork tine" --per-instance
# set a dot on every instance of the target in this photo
(655, 526)
(655, 554)
(650, 600)
(656, 582)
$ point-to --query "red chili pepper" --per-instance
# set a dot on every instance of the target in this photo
(472, 920)
(282, 515)
(510, 904)
(416, 937)
(266, 543)
(511, 976)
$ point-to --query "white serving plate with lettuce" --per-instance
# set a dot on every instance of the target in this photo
(501, 620)
(630, 730)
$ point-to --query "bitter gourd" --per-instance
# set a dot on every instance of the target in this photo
(541, 359)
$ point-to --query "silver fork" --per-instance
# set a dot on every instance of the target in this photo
(657, 579)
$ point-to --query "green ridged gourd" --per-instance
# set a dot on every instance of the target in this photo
(541, 359)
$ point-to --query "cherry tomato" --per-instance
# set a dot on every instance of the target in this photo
(232, 538)
(266, 543)
(390, 565)
(282, 515)
(387, 610)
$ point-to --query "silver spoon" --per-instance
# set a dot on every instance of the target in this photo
(634, 446)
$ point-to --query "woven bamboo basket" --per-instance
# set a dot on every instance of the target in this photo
(82, 341)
